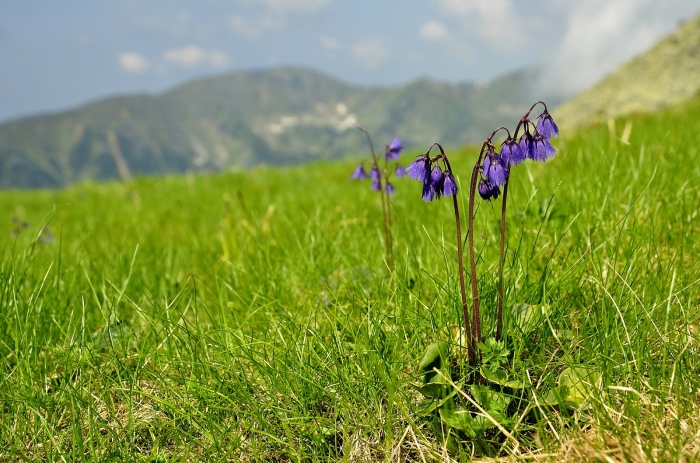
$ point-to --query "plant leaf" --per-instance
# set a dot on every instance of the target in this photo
(501, 378)
(434, 357)
(580, 382)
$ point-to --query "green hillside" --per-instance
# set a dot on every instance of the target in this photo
(250, 317)
(279, 117)
(666, 74)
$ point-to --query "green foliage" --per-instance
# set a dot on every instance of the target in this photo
(248, 316)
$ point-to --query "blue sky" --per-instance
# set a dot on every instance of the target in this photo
(55, 55)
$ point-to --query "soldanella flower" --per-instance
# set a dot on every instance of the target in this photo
(494, 169)
(419, 169)
(526, 145)
(437, 179)
(546, 126)
(449, 186)
(541, 148)
(400, 171)
(379, 176)
(488, 192)
(393, 150)
(359, 173)
(428, 191)
(511, 152)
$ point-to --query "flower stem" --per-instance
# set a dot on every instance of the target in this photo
(471, 347)
(476, 314)
(501, 263)
(388, 239)
(463, 289)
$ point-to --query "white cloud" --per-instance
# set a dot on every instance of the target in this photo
(370, 53)
(133, 62)
(329, 43)
(193, 55)
(600, 35)
(493, 21)
(433, 30)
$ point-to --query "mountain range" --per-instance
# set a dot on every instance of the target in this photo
(275, 116)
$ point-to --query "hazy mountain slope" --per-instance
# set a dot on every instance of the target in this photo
(277, 116)
(668, 73)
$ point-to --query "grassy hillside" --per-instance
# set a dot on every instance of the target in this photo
(666, 74)
(249, 316)
(278, 117)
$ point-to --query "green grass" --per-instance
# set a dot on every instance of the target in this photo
(250, 317)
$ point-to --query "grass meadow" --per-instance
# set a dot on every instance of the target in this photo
(250, 317)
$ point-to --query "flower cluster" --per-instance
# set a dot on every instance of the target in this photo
(531, 145)
(436, 183)
(391, 153)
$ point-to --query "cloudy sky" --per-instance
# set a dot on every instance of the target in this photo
(58, 54)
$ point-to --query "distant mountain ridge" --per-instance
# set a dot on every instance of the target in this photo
(666, 74)
(277, 116)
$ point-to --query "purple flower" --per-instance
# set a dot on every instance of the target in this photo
(432, 187)
(527, 146)
(359, 173)
(449, 186)
(542, 149)
(511, 153)
(400, 171)
(374, 174)
(393, 150)
(546, 126)
(419, 169)
(428, 191)
(437, 179)
(494, 170)
(376, 186)
(390, 190)
(487, 191)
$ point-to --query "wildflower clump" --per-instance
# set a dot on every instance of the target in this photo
(491, 172)
(380, 176)
(491, 381)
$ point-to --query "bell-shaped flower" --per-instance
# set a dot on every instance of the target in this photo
(419, 169)
(488, 192)
(546, 126)
(359, 173)
(393, 150)
(495, 171)
(449, 186)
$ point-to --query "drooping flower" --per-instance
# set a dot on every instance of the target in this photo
(488, 192)
(390, 190)
(393, 150)
(511, 153)
(527, 146)
(542, 149)
(376, 186)
(495, 171)
(419, 169)
(400, 171)
(449, 186)
(546, 126)
(374, 173)
(359, 173)
(428, 191)
(437, 179)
